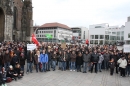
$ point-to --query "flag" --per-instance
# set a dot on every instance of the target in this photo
(49, 36)
(34, 40)
(87, 42)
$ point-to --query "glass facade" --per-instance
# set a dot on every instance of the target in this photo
(92, 37)
(118, 37)
(91, 41)
(96, 36)
(101, 36)
(118, 33)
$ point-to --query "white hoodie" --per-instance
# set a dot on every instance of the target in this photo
(122, 63)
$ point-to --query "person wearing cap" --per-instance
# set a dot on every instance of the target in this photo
(122, 64)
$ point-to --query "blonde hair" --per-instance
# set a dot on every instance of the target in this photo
(38, 52)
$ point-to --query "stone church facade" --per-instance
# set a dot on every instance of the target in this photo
(16, 20)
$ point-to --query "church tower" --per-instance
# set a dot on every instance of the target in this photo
(27, 21)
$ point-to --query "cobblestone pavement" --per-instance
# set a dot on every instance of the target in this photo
(67, 78)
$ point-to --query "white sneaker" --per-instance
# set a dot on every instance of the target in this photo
(70, 70)
(73, 70)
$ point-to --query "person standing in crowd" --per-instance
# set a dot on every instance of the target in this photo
(79, 60)
(116, 58)
(7, 59)
(22, 61)
(68, 60)
(60, 60)
(86, 60)
(54, 59)
(64, 57)
(128, 65)
(94, 60)
(30, 59)
(17, 51)
(14, 60)
(122, 64)
(49, 59)
(89, 63)
(73, 61)
(44, 61)
(106, 56)
(1, 60)
(112, 66)
(37, 60)
(101, 58)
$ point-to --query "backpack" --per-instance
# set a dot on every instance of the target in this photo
(8, 80)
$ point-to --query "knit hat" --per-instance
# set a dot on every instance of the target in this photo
(10, 66)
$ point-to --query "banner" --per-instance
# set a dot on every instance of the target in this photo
(63, 45)
(31, 46)
(126, 48)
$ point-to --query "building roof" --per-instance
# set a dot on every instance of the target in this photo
(55, 24)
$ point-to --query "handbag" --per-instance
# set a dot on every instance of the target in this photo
(8, 80)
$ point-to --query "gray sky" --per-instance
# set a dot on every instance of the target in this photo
(81, 12)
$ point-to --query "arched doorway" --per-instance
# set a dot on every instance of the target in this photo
(2, 23)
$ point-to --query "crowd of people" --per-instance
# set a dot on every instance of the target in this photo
(47, 56)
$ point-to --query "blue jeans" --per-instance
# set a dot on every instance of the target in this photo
(99, 66)
(37, 67)
(48, 65)
(29, 67)
(0, 67)
(54, 64)
(78, 67)
(44, 65)
(128, 70)
(22, 68)
(60, 64)
(72, 65)
(106, 64)
(85, 65)
(63, 65)
(6, 65)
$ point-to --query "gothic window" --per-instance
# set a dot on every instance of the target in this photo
(15, 18)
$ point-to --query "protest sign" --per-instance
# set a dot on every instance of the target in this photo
(63, 45)
(31, 46)
(126, 48)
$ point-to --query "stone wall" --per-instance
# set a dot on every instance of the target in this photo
(8, 28)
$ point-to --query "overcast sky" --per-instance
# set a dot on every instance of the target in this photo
(81, 12)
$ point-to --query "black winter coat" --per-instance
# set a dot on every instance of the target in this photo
(22, 60)
(94, 57)
(79, 60)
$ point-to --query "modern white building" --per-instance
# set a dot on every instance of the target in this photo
(127, 31)
(80, 34)
(105, 34)
(59, 32)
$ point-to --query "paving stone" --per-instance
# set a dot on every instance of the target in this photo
(67, 78)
